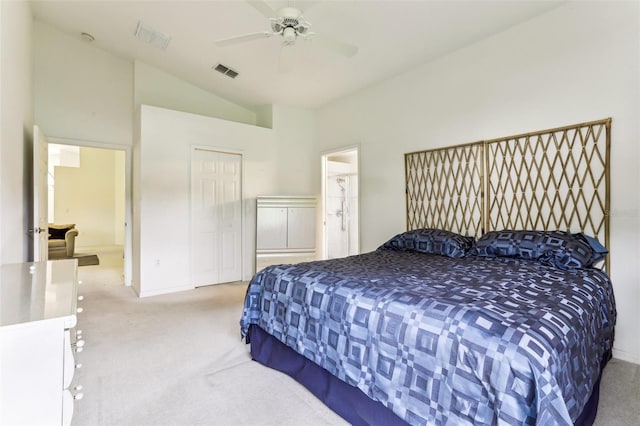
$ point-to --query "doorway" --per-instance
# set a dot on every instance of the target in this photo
(216, 216)
(87, 187)
(341, 211)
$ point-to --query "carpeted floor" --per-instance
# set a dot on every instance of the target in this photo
(177, 359)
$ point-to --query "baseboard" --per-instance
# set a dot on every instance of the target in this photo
(626, 356)
(98, 249)
(164, 291)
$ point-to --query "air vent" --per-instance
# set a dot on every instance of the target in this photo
(226, 71)
(149, 35)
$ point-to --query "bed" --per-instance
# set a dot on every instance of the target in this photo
(494, 307)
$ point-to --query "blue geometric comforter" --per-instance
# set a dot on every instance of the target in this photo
(445, 341)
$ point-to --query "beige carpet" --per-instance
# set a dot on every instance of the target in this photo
(178, 360)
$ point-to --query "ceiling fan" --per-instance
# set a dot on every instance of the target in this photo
(289, 24)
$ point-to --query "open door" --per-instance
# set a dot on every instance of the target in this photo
(341, 217)
(40, 229)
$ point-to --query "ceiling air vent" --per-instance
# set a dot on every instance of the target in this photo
(226, 71)
(149, 35)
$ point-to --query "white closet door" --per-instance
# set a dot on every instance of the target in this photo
(216, 227)
(230, 209)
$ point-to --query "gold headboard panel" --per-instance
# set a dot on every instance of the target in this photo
(444, 189)
(551, 179)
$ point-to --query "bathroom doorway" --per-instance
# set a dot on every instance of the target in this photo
(340, 189)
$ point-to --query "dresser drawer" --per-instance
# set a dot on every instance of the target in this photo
(68, 361)
(67, 407)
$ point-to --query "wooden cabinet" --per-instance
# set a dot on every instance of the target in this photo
(285, 230)
(38, 307)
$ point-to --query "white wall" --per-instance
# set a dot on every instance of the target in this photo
(81, 92)
(92, 197)
(16, 129)
(158, 88)
(162, 196)
(579, 62)
(85, 94)
(294, 132)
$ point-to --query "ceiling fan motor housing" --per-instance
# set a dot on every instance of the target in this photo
(290, 24)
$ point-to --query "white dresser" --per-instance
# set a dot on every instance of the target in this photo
(285, 230)
(38, 340)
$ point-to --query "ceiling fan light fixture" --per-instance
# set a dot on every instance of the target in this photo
(289, 24)
(289, 34)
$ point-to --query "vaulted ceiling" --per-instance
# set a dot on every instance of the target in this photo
(391, 36)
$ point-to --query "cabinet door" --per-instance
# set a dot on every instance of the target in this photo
(271, 228)
(301, 230)
(31, 379)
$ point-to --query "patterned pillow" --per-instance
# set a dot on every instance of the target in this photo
(434, 241)
(556, 248)
(599, 251)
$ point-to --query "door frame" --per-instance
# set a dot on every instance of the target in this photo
(128, 197)
(243, 216)
(40, 192)
(324, 156)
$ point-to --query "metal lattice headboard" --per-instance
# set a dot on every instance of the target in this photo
(444, 189)
(551, 179)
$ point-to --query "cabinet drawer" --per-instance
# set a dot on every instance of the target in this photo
(67, 407)
(69, 365)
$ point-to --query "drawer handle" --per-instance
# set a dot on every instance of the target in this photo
(79, 310)
(81, 298)
(79, 345)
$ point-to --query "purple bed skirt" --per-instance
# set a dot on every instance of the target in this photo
(348, 401)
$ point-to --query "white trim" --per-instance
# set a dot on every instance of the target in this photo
(344, 149)
(165, 291)
(626, 356)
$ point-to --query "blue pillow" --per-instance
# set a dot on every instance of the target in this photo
(599, 251)
(433, 241)
(556, 248)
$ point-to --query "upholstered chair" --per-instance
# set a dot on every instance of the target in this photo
(62, 240)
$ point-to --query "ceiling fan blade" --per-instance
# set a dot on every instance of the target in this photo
(243, 38)
(263, 8)
(286, 62)
(337, 46)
